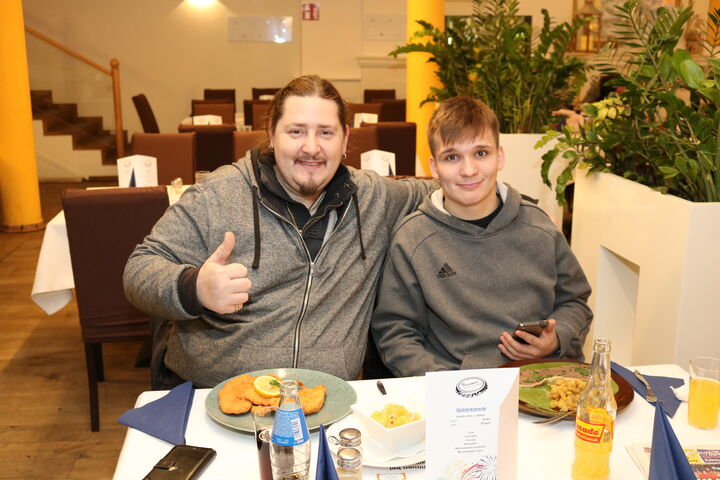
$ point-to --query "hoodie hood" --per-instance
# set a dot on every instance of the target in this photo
(433, 208)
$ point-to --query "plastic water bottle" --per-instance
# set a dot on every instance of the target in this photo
(290, 441)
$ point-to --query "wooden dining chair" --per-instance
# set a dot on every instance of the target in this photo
(259, 116)
(399, 138)
(175, 154)
(249, 106)
(260, 92)
(213, 144)
(361, 140)
(145, 112)
(226, 110)
(222, 94)
(373, 95)
(103, 228)
(244, 141)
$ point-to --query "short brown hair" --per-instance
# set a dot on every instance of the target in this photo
(305, 86)
(461, 118)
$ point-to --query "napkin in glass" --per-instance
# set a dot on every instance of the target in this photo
(660, 386)
(165, 418)
(667, 458)
(325, 468)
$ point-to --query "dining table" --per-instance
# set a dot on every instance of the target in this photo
(53, 284)
(544, 451)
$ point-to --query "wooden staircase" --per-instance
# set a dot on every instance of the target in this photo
(62, 119)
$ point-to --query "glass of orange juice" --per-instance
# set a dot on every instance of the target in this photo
(704, 402)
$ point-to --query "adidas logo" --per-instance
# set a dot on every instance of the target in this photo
(446, 271)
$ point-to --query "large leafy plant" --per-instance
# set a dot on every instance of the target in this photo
(645, 132)
(493, 56)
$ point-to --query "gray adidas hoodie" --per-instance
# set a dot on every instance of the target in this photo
(301, 314)
(450, 288)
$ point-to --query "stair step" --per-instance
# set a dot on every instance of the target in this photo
(40, 98)
(82, 127)
(62, 119)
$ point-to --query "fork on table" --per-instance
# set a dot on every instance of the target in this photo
(649, 396)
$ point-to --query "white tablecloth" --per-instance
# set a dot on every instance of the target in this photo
(544, 451)
(52, 288)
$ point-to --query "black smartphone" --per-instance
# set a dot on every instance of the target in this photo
(536, 328)
(183, 462)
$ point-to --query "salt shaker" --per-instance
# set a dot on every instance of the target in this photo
(349, 464)
(351, 437)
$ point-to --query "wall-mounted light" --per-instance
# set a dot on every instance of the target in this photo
(201, 3)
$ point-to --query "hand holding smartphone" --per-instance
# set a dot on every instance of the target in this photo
(535, 328)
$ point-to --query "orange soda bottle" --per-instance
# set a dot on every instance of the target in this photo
(595, 421)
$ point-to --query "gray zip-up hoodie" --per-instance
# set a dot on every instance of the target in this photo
(301, 313)
(450, 288)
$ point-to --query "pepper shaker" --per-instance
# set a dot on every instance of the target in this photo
(349, 464)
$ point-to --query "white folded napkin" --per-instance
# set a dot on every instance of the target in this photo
(682, 392)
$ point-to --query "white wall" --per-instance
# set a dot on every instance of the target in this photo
(167, 49)
(171, 51)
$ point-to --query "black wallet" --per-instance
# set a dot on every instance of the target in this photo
(183, 462)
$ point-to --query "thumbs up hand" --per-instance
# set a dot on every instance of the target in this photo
(223, 287)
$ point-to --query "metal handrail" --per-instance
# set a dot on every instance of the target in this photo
(113, 71)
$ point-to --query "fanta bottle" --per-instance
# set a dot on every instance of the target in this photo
(595, 421)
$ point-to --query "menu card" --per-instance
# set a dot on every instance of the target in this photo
(360, 118)
(379, 161)
(471, 428)
(137, 171)
(207, 120)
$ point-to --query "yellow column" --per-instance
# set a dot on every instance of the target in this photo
(420, 74)
(19, 191)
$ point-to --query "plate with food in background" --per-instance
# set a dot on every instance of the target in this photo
(324, 397)
(551, 387)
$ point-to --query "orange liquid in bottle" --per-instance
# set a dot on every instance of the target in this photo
(593, 444)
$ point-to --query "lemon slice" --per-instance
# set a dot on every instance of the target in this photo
(267, 386)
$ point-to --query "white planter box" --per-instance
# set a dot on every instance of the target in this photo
(522, 170)
(653, 262)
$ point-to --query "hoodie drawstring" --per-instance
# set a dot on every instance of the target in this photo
(357, 214)
(256, 227)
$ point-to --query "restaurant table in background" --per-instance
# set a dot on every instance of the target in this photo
(52, 288)
(544, 451)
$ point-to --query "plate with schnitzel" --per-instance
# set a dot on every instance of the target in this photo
(327, 396)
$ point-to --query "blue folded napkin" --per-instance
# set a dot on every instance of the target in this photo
(325, 468)
(667, 458)
(166, 417)
(660, 386)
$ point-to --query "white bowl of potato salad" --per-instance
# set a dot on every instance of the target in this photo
(396, 422)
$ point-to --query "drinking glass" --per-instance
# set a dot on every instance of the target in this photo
(263, 419)
(704, 402)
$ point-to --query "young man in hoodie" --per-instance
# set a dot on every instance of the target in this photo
(272, 261)
(474, 261)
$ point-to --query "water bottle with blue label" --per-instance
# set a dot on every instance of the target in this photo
(290, 440)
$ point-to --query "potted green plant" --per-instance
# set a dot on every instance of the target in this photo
(494, 56)
(646, 217)
(645, 132)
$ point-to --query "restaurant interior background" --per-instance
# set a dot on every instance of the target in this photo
(171, 50)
